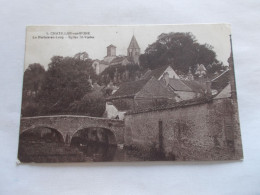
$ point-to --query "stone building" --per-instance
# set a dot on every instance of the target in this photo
(99, 66)
(160, 72)
(133, 51)
(189, 130)
(195, 129)
(198, 129)
(111, 59)
(115, 110)
(157, 87)
(181, 89)
(139, 94)
(111, 51)
(185, 89)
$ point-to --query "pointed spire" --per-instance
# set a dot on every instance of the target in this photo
(133, 44)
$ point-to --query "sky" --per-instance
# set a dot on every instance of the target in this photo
(44, 42)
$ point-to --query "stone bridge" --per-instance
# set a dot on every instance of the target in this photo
(68, 125)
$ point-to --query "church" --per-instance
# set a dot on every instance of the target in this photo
(111, 59)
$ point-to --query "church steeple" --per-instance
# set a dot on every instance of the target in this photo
(133, 51)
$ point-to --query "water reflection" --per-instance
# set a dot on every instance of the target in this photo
(99, 152)
(46, 145)
(38, 151)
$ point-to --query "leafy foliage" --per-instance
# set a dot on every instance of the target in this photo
(33, 77)
(92, 104)
(66, 81)
(180, 50)
(119, 73)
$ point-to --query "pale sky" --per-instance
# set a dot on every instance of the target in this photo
(41, 50)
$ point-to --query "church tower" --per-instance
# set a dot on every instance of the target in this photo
(133, 51)
(111, 50)
(111, 54)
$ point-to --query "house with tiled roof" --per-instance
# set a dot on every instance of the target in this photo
(198, 88)
(185, 89)
(159, 72)
(139, 94)
(179, 87)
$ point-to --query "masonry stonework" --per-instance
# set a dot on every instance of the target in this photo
(203, 131)
(68, 125)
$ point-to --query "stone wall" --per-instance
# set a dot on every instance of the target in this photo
(203, 131)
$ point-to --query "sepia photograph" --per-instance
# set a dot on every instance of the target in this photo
(129, 93)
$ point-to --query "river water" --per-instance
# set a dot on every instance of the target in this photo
(39, 151)
(87, 145)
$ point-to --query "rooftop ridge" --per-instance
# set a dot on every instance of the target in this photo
(174, 105)
(219, 75)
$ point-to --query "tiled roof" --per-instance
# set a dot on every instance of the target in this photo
(156, 73)
(157, 89)
(121, 105)
(111, 46)
(225, 93)
(129, 89)
(173, 105)
(104, 62)
(178, 85)
(221, 81)
(195, 86)
(118, 60)
(133, 44)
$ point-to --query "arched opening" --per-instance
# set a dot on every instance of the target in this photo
(42, 134)
(39, 143)
(93, 135)
(96, 143)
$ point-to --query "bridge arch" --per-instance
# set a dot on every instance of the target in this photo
(94, 134)
(43, 130)
(68, 125)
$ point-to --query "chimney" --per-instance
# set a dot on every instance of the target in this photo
(166, 78)
(208, 88)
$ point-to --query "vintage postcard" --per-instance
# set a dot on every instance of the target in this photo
(129, 93)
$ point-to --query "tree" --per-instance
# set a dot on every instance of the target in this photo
(32, 82)
(123, 73)
(180, 50)
(66, 81)
(33, 78)
(81, 56)
(92, 104)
